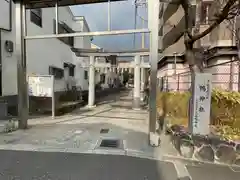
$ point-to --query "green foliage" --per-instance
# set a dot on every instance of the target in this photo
(125, 76)
(225, 109)
(173, 103)
(227, 132)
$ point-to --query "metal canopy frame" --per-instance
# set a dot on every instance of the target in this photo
(82, 34)
(154, 7)
(104, 54)
(99, 53)
(33, 4)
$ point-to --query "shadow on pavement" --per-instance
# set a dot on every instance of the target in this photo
(65, 165)
(69, 166)
(118, 117)
(126, 106)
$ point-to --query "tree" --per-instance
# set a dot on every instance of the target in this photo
(234, 26)
(226, 10)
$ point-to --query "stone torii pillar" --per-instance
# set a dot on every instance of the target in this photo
(136, 95)
(143, 78)
(91, 85)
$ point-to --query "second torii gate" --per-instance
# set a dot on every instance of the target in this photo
(137, 65)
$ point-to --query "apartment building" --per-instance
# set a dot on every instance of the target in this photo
(44, 56)
(217, 50)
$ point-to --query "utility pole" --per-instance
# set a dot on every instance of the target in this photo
(154, 22)
(143, 36)
(232, 64)
(109, 15)
(21, 31)
(143, 4)
(135, 23)
(139, 3)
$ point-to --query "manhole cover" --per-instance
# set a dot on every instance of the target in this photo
(103, 131)
(110, 143)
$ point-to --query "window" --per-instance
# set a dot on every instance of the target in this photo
(36, 16)
(85, 75)
(205, 12)
(58, 73)
(71, 70)
(63, 29)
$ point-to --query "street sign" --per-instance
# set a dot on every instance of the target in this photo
(201, 104)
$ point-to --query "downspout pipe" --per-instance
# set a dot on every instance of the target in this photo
(232, 69)
(9, 29)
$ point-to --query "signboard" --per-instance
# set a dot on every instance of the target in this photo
(202, 103)
(40, 86)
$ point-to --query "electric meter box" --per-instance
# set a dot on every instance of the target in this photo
(9, 46)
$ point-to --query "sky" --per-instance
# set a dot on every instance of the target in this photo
(122, 17)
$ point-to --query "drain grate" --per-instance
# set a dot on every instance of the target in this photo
(104, 131)
(110, 143)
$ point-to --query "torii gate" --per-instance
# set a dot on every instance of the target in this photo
(137, 65)
(154, 8)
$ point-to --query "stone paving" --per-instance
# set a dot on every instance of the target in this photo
(79, 133)
(80, 130)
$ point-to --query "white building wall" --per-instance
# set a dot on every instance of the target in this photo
(40, 53)
(4, 14)
(82, 63)
(9, 62)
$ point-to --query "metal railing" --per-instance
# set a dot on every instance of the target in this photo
(223, 76)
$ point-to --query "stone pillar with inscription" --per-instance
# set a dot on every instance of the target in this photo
(200, 116)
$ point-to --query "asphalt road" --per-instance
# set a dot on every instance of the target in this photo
(212, 172)
(24, 165)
